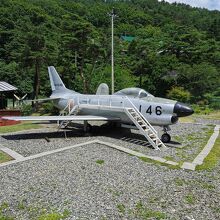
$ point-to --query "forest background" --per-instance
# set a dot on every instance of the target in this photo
(169, 50)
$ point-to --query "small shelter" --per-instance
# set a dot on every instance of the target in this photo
(6, 92)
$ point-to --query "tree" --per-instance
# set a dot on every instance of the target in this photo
(81, 44)
(199, 79)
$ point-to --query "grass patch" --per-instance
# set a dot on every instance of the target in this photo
(148, 160)
(115, 193)
(100, 161)
(190, 199)
(178, 138)
(215, 115)
(154, 200)
(208, 186)
(21, 205)
(179, 182)
(4, 207)
(54, 216)
(121, 208)
(216, 209)
(188, 119)
(19, 127)
(212, 159)
(35, 213)
(143, 212)
(169, 158)
(4, 157)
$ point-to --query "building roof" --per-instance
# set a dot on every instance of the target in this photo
(128, 38)
(4, 87)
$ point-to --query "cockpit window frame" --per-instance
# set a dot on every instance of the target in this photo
(134, 92)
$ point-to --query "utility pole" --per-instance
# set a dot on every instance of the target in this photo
(113, 15)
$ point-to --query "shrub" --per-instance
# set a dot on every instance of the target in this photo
(202, 109)
(49, 108)
(179, 94)
(26, 110)
(215, 105)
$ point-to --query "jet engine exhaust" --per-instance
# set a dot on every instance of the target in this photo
(174, 119)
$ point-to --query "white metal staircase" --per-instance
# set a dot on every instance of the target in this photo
(145, 128)
(73, 111)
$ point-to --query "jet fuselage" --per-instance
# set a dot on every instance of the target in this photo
(158, 111)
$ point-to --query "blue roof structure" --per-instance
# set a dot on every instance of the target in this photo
(127, 38)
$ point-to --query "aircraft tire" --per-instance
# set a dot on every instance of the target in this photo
(165, 138)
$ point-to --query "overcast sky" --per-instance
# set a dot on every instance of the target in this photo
(210, 4)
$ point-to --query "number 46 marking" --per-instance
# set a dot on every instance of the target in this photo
(158, 110)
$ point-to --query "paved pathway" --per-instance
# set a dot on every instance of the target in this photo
(11, 153)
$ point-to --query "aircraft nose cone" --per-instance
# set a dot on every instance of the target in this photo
(182, 110)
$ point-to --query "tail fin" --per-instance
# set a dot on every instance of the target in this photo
(55, 80)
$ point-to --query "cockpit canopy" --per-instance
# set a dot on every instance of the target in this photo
(134, 93)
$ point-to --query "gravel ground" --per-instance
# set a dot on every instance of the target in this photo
(97, 182)
(188, 140)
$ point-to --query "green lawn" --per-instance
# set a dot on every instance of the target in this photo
(189, 119)
(215, 115)
(19, 127)
(4, 158)
(213, 158)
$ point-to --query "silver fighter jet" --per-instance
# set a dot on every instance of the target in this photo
(131, 107)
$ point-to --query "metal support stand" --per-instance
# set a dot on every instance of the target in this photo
(85, 125)
(166, 128)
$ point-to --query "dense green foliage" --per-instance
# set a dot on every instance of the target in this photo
(174, 46)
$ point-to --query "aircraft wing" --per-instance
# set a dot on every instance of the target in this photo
(61, 118)
(41, 100)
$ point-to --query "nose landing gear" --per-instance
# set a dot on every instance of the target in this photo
(166, 137)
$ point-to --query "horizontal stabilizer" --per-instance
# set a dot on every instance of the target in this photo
(61, 118)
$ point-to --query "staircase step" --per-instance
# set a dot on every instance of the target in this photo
(151, 135)
(145, 127)
(134, 114)
(131, 111)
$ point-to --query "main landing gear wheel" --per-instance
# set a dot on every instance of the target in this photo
(165, 138)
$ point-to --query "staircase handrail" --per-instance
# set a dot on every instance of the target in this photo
(135, 108)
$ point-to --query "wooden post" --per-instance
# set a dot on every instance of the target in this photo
(13, 99)
(2, 100)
